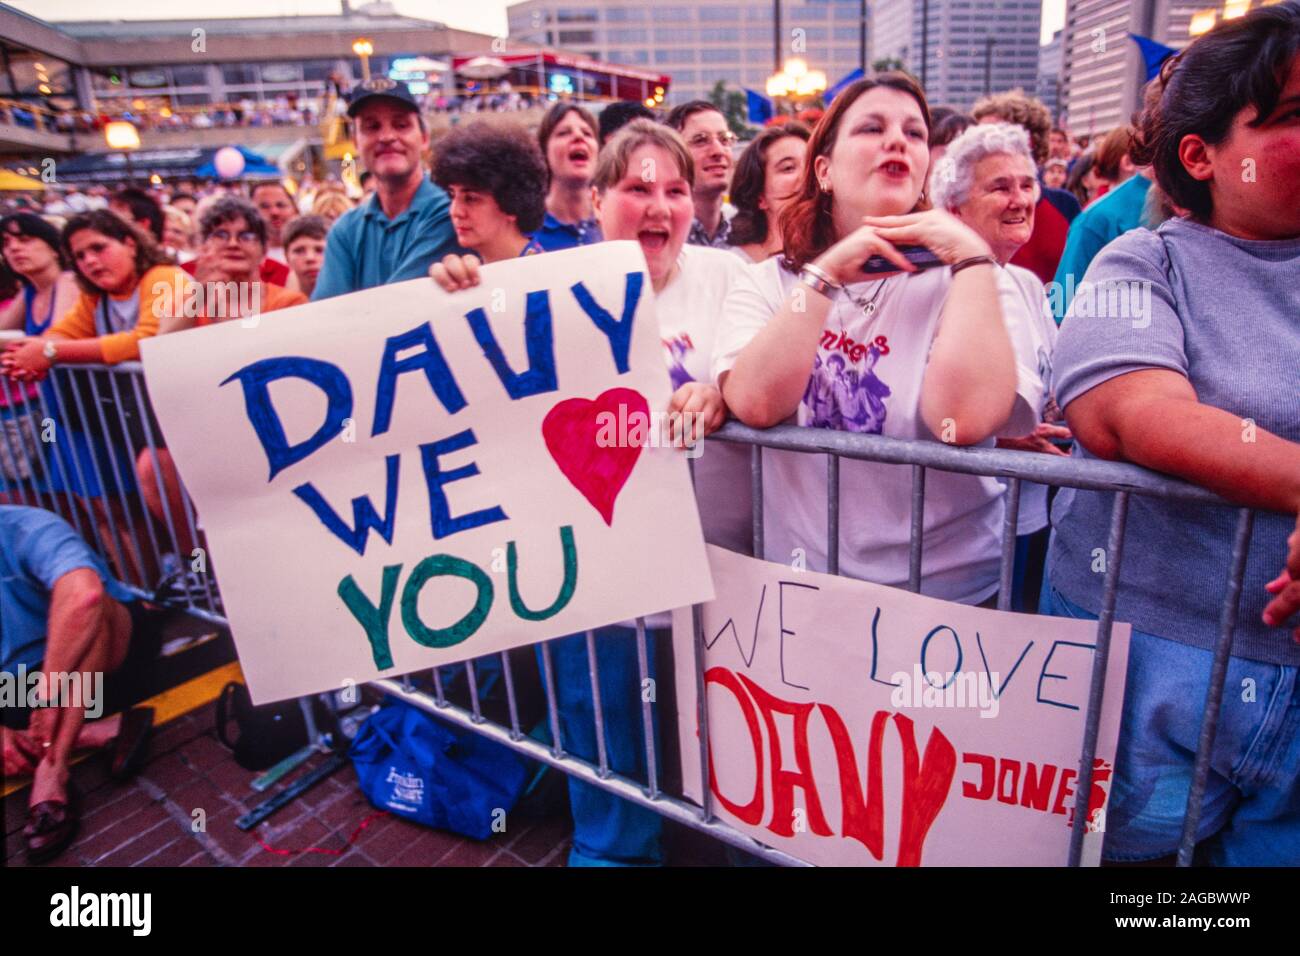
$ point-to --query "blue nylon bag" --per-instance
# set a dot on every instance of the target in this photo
(419, 768)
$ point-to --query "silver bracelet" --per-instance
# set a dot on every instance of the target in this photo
(817, 280)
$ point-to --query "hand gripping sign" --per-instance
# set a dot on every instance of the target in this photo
(402, 478)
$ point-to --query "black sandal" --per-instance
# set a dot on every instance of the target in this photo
(51, 826)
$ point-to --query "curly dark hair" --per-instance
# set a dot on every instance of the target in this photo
(750, 223)
(502, 161)
(1242, 62)
(147, 252)
(228, 209)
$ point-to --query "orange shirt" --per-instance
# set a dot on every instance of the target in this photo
(162, 305)
(272, 297)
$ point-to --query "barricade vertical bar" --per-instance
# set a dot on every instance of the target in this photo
(72, 456)
(1101, 657)
(24, 409)
(117, 477)
(647, 713)
(515, 732)
(1214, 694)
(833, 514)
(471, 676)
(917, 535)
(598, 709)
(702, 710)
(12, 456)
(162, 491)
(552, 704)
(406, 683)
(1010, 519)
(756, 485)
(438, 693)
(99, 480)
(309, 720)
(143, 402)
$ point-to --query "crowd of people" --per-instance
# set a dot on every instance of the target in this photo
(899, 269)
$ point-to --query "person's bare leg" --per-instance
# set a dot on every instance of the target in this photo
(122, 559)
(175, 504)
(88, 634)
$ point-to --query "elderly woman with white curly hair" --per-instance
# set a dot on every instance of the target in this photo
(987, 179)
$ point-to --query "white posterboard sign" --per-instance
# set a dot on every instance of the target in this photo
(402, 478)
(852, 724)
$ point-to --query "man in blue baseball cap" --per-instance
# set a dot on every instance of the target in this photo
(405, 225)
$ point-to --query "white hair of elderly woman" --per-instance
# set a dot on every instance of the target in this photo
(954, 173)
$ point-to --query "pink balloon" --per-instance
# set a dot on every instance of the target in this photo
(229, 162)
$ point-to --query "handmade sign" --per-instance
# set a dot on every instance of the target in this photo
(401, 477)
(854, 724)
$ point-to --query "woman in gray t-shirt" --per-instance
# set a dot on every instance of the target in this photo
(1181, 353)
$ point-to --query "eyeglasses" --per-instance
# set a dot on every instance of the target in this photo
(222, 235)
(702, 140)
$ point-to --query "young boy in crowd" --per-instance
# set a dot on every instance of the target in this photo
(304, 248)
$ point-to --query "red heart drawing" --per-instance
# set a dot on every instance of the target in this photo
(588, 440)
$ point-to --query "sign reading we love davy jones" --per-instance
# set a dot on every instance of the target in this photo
(402, 477)
(852, 724)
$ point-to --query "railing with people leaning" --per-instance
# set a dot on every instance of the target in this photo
(76, 443)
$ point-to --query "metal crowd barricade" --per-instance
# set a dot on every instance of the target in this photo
(38, 472)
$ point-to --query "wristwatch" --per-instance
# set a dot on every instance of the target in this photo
(50, 351)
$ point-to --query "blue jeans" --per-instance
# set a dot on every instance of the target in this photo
(1251, 811)
(607, 830)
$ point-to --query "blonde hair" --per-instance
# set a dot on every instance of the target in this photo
(180, 218)
(330, 204)
(616, 156)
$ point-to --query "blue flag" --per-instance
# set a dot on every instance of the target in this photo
(1153, 54)
(760, 107)
(843, 81)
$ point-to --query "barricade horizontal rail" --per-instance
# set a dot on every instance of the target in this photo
(85, 479)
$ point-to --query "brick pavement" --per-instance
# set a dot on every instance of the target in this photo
(192, 779)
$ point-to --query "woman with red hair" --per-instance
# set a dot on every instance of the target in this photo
(845, 332)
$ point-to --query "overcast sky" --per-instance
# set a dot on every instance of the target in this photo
(481, 16)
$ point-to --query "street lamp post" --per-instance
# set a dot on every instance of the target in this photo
(776, 36)
(362, 47)
(862, 36)
(989, 43)
(925, 39)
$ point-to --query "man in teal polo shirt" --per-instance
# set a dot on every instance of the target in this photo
(1108, 218)
(405, 225)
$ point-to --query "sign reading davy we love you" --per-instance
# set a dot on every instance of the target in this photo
(853, 724)
(402, 478)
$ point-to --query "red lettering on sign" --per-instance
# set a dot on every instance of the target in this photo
(863, 819)
(1038, 786)
(784, 782)
(752, 812)
(925, 787)
(989, 767)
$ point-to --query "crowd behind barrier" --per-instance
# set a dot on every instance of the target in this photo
(877, 322)
(35, 451)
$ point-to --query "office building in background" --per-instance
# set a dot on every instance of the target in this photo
(697, 45)
(972, 47)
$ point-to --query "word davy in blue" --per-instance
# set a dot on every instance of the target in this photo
(417, 351)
